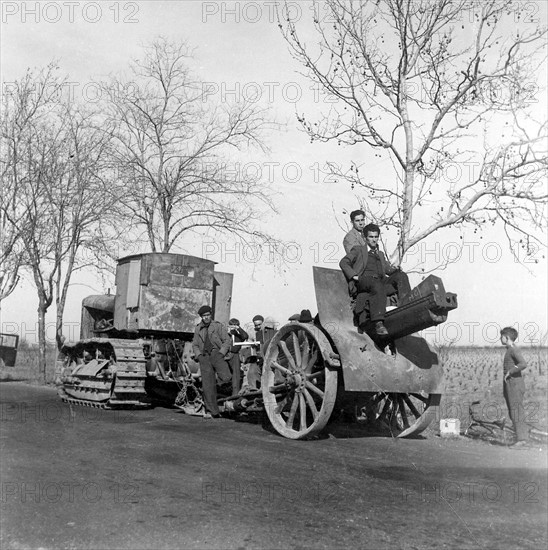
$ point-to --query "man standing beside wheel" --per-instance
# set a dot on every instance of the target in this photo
(210, 344)
(263, 335)
(375, 279)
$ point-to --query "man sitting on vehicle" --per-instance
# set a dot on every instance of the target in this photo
(375, 279)
(355, 236)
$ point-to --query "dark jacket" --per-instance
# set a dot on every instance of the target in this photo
(240, 335)
(264, 335)
(355, 262)
(218, 337)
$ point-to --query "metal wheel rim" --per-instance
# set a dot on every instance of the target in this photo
(403, 414)
(299, 388)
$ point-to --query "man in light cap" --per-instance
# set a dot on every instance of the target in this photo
(210, 344)
(263, 335)
(237, 334)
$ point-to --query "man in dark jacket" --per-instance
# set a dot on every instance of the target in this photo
(237, 335)
(375, 279)
(210, 344)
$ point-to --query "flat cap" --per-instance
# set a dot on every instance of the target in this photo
(234, 321)
(203, 310)
(294, 317)
(305, 316)
(258, 318)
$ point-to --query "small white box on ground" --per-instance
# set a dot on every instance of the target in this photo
(449, 427)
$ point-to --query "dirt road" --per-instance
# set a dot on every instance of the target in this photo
(86, 478)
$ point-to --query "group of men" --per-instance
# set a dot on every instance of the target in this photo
(371, 277)
(218, 353)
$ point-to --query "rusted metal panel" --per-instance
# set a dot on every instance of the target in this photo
(171, 288)
(134, 275)
(222, 297)
(413, 369)
(120, 310)
(171, 309)
(177, 270)
(102, 302)
(93, 308)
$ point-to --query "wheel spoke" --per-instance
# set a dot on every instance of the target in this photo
(280, 406)
(385, 409)
(279, 388)
(311, 404)
(403, 412)
(372, 404)
(395, 418)
(306, 350)
(317, 374)
(280, 368)
(287, 354)
(302, 406)
(421, 398)
(292, 412)
(312, 360)
(379, 397)
(296, 349)
(412, 407)
(314, 388)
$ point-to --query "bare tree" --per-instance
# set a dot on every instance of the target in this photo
(12, 256)
(437, 85)
(60, 164)
(171, 152)
(83, 202)
(23, 101)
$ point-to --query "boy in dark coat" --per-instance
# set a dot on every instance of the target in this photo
(514, 386)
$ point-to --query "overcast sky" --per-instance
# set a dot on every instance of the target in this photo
(240, 52)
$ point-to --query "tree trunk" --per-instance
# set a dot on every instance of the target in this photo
(42, 363)
(407, 210)
(61, 296)
(59, 337)
(409, 176)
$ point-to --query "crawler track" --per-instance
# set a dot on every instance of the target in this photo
(104, 384)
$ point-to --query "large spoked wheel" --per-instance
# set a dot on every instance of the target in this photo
(299, 386)
(401, 414)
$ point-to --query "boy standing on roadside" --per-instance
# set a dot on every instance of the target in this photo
(514, 386)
